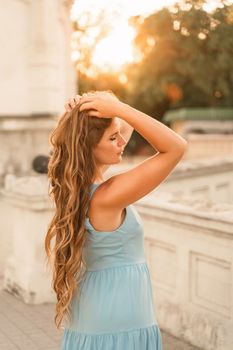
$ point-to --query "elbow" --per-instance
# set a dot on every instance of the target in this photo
(183, 146)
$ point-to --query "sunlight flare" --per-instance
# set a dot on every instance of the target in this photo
(106, 24)
(117, 49)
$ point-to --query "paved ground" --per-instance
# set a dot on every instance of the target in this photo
(31, 327)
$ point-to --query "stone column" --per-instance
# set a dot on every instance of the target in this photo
(37, 76)
(51, 76)
(14, 25)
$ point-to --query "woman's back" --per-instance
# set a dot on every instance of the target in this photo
(104, 218)
(123, 245)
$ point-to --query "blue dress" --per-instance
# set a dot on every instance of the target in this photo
(116, 309)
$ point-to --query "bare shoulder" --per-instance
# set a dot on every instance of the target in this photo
(104, 217)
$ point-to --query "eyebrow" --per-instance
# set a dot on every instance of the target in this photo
(115, 133)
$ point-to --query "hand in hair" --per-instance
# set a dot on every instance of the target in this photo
(72, 102)
(101, 104)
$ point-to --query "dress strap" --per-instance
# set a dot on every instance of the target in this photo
(93, 188)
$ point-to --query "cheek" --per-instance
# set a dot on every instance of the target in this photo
(110, 148)
(114, 147)
(105, 149)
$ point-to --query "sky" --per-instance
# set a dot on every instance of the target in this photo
(129, 8)
(117, 48)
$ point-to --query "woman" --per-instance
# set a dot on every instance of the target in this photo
(100, 274)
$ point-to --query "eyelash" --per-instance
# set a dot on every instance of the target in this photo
(113, 139)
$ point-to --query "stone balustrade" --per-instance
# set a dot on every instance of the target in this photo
(29, 211)
(189, 245)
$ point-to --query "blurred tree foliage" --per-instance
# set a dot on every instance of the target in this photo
(88, 30)
(186, 61)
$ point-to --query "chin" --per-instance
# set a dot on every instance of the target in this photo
(117, 161)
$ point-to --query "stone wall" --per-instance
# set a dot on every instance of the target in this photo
(212, 145)
(28, 210)
(204, 179)
(22, 139)
(189, 246)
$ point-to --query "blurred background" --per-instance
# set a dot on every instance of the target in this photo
(170, 59)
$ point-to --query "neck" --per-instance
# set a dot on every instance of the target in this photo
(99, 176)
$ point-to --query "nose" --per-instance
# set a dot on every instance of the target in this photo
(121, 140)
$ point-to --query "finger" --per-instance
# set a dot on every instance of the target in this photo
(77, 98)
(93, 113)
(88, 94)
(85, 106)
(67, 107)
(86, 99)
(72, 102)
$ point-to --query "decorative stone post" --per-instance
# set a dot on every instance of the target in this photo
(30, 209)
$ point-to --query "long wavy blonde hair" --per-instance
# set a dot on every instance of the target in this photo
(71, 172)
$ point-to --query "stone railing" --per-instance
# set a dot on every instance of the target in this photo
(28, 211)
(208, 130)
(189, 245)
(203, 179)
(203, 145)
(22, 139)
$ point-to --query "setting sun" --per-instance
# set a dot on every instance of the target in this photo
(116, 49)
(104, 30)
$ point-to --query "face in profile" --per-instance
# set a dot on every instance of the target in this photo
(109, 149)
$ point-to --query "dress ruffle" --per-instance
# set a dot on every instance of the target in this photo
(148, 338)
